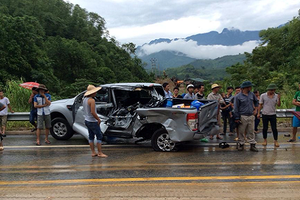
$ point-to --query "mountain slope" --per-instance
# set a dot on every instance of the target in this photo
(206, 69)
(166, 59)
(226, 37)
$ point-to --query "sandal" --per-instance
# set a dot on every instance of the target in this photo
(37, 144)
(94, 155)
(219, 138)
(223, 145)
(291, 140)
(47, 142)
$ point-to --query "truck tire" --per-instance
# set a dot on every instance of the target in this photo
(61, 130)
(161, 141)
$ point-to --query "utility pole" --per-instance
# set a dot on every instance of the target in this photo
(153, 65)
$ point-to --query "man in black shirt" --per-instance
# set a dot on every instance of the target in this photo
(200, 93)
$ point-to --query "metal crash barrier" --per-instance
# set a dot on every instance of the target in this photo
(18, 116)
(284, 113)
(24, 116)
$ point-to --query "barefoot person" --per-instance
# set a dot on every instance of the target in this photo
(92, 121)
(42, 102)
(2, 107)
(267, 103)
(3, 114)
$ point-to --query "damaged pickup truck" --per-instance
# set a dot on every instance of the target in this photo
(136, 110)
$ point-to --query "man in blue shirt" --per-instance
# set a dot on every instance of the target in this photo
(245, 108)
(190, 94)
(42, 102)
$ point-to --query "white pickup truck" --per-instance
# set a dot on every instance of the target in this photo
(136, 110)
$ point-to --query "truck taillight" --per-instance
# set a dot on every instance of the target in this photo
(192, 121)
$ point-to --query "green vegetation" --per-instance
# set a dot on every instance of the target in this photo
(207, 69)
(18, 97)
(276, 60)
(62, 46)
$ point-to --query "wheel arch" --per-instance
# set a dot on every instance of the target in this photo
(57, 114)
(147, 130)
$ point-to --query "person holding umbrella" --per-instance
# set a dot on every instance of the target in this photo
(42, 102)
(33, 110)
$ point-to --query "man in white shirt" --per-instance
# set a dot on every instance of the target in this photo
(268, 102)
(3, 114)
(2, 107)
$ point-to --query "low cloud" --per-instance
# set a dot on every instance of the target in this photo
(191, 49)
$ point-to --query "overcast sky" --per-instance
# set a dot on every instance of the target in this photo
(140, 21)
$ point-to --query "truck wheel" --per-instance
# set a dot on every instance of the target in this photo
(161, 141)
(61, 130)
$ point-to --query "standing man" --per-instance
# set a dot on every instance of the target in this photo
(168, 93)
(190, 94)
(176, 93)
(257, 119)
(33, 110)
(2, 107)
(268, 102)
(226, 111)
(245, 108)
(42, 102)
(214, 95)
(3, 114)
(92, 120)
(296, 121)
(200, 93)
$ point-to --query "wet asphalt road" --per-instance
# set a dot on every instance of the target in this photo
(65, 170)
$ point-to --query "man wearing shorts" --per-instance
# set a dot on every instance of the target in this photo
(42, 101)
(92, 120)
(2, 107)
(3, 114)
(296, 121)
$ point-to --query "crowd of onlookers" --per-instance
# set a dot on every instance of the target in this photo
(241, 110)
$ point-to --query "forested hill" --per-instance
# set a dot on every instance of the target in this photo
(61, 45)
(207, 69)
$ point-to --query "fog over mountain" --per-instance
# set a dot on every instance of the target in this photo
(209, 45)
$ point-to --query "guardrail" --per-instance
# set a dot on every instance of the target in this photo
(24, 116)
(284, 113)
(18, 116)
